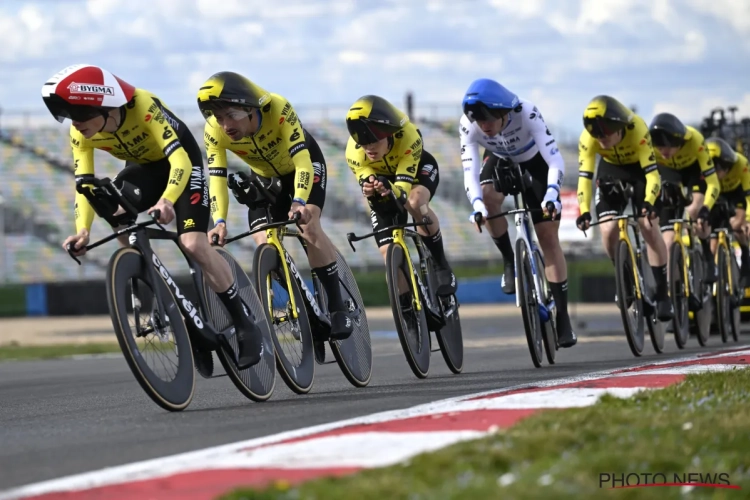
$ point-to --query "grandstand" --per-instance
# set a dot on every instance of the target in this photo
(39, 190)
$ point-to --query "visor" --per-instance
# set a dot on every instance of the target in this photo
(368, 132)
(231, 110)
(662, 139)
(600, 128)
(61, 110)
(479, 111)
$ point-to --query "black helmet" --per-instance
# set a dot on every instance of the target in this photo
(372, 118)
(605, 115)
(667, 131)
(226, 89)
(721, 152)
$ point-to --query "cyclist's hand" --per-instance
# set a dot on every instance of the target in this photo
(304, 213)
(584, 221)
(649, 211)
(79, 242)
(167, 211)
(219, 230)
(478, 219)
(702, 217)
(552, 197)
(381, 188)
(368, 188)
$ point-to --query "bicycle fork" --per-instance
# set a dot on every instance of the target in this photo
(544, 309)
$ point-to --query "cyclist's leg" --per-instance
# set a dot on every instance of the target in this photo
(547, 232)
(192, 212)
(739, 226)
(607, 207)
(668, 212)
(498, 228)
(149, 180)
(423, 189)
(693, 177)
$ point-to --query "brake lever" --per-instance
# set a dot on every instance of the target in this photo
(477, 221)
(349, 237)
(296, 217)
(155, 217)
(69, 248)
(551, 209)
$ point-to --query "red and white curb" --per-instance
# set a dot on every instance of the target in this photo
(376, 440)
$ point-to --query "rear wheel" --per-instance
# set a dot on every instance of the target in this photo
(292, 337)
(631, 307)
(655, 327)
(529, 302)
(736, 299)
(411, 325)
(701, 325)
(449, 336)
(678, 293)
(155, 342)
(550, 326)
(258, 381)
(723, 294)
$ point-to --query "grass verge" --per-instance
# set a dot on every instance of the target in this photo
(18, 352)
(701, 425)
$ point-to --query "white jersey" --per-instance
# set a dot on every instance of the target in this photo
(523, 137)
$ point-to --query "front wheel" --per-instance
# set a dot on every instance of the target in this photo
(155, 342)
(411, 325)
(527, 295)
(257, 382)
(736, 299)
(701, 325)
(723, 294)
(631, 306)
(292, 337)
(550, 326)
(678, 291)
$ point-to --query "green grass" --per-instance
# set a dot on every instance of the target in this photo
(701, 426)
(19, 352)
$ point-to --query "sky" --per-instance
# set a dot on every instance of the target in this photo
(681, 56)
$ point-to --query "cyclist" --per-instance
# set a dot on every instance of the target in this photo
(682, 155)
(383, 142)
(733, 172)
(513, 129)
(264, 131)
(623, 141)
(162, 159)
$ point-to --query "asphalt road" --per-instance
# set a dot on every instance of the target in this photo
(70, 416)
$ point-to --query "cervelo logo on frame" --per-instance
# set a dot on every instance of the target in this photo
(91, 88)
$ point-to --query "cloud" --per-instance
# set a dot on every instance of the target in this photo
(652, 53)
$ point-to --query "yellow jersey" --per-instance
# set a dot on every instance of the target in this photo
(276, 149)
(694, 150)
(148, 133)
(634, 148)
(401, 161)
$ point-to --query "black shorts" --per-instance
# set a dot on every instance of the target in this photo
(428, 176)
(280, 210)
(690, 177)
(533, 197)
(631, 173)
(192, 209)
(734, 199)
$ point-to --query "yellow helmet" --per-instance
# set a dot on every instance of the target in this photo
(225, 89)
(721, 152)
(605, 115)
(372, 118)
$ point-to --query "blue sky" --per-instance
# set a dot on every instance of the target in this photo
(683, 56)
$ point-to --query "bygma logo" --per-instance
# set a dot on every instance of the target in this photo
(612, 480)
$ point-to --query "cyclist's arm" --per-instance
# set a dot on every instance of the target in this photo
(180, 165)
(411, 154)
(217, 173)
(745, 173)
(647, 159)
(548, 149)
(355, 160)
(472, 164)
(83, 159)
(587, 148)
(713, 187)
(292, 132)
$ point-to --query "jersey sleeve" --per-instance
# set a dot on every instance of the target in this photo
(294, 135)
(547, 148)
(745, 176)
(647, 159)
(411, 153)
(83, 161)
(713, 187)
(180, 165)
(354, 159)
(216, 155)
(472, 164)
(587, 148)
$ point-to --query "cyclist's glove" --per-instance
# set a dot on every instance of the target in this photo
(552, 195)
(650, 210)
(703, 213)
(583, 219)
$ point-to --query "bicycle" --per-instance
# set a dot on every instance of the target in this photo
(426, 311)
(728, 292)
(203, 328)
(635, 289)
(687, 287)
(310, 325)
(539, 310)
